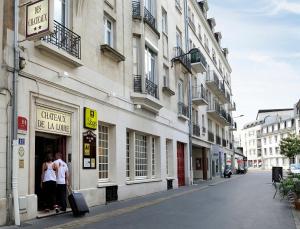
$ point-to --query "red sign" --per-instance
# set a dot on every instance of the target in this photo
(22, 124)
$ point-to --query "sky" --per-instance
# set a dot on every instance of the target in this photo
(263, 38)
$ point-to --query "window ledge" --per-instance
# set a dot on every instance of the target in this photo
(143, 181)
(105, 184)
(168, 90)
(58, 52)
(112, 53)
(170, 178)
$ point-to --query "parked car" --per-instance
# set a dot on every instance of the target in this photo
(295, 168)
(227, 171)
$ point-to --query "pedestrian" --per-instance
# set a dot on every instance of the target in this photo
(62, 181)
(48, 183)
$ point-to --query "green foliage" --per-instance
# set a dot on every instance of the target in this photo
(290, 146)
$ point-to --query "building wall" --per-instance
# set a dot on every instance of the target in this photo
(54, 80)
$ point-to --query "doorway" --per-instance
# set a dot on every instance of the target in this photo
(46, 144)
(180, 164)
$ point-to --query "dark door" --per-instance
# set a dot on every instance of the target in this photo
(180, 164)
(205, 164)
(46, 144)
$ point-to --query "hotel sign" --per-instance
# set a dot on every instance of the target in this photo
(90, 118)
(39, 19)
(53, 121)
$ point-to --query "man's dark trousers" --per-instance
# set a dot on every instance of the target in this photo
(61, 196)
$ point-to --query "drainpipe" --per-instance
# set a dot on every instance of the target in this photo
(15, 116)
(186, 32)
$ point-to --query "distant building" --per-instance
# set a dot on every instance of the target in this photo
(261, 139)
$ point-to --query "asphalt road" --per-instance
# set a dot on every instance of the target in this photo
(242, 203)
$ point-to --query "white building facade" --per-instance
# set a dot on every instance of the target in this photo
(109, 89)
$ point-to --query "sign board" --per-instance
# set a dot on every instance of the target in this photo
(39, 19)
(53, 121)
(22, 125)
(21, 141)
(90, 118)
(89, 150)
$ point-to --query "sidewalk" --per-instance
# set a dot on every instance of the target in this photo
(114, 209)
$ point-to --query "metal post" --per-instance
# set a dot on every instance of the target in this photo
(14, 143)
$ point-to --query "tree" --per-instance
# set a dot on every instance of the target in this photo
(290, 146)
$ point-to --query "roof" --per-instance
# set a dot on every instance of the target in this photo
(272, 110)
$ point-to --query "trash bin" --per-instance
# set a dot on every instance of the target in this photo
(276, 174)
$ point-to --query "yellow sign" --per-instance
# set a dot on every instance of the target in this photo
(53, 121)
(21, 164)
(90, 118)
(87, 149)
(39, 19)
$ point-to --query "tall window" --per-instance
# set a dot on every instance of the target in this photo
(108, 31)
(165, 33)
(180, 91)
(135, 55)
(150, 6)
(178, 38)
(103, 151)
(150, 64)
(153, 157)
(166, 76)
(60, 11)
(127, 156)
(167, 157)
(141, 160)
(209, 123)
(199, 32)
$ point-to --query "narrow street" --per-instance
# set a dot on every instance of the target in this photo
(240, 202)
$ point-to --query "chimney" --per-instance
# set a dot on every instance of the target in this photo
(212, 23)
(225, 52)
(218, 36)
(204, 7)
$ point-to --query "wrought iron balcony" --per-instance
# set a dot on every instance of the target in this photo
(198, 61)
(216, 86)
(136, 9)
(65, 39)
(196, 130)
(150, 87)
(211, 136)
(183, 110)
(183, 58)
(216, 111)
(149, 18)
(199, 95)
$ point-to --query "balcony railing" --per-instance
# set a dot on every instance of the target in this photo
(199, 92)
(197, 56)
(218, 140)
(196, 130)
(211, 136)
(185, 60)
(150, 87)
(65, 39)
(149, 18)
(224, 142)
(136, 9)
(183, 109)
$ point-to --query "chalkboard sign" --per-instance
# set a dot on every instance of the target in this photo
(89, 150)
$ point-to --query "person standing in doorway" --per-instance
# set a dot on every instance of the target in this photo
(62, 180)
(48, 183)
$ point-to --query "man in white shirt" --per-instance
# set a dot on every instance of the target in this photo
(62, 180)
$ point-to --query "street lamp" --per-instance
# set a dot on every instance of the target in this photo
(239, 116)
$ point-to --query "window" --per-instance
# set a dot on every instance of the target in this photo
(60, 11)
(276, 138)
(141, 160)
(169, 157)
(153, 157)
(103, 150)
(127, 156)
(178, 4)
(150, 6)
(265, 151)
(135, 56)
(199, 32)
(166, 76)
(270, 140)
(214, 56)
(150, 61)
(164, 21)
(108, 31)
(180, 91)
(265, 140)
(270, 151)
(277, 150)
(178, 38)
